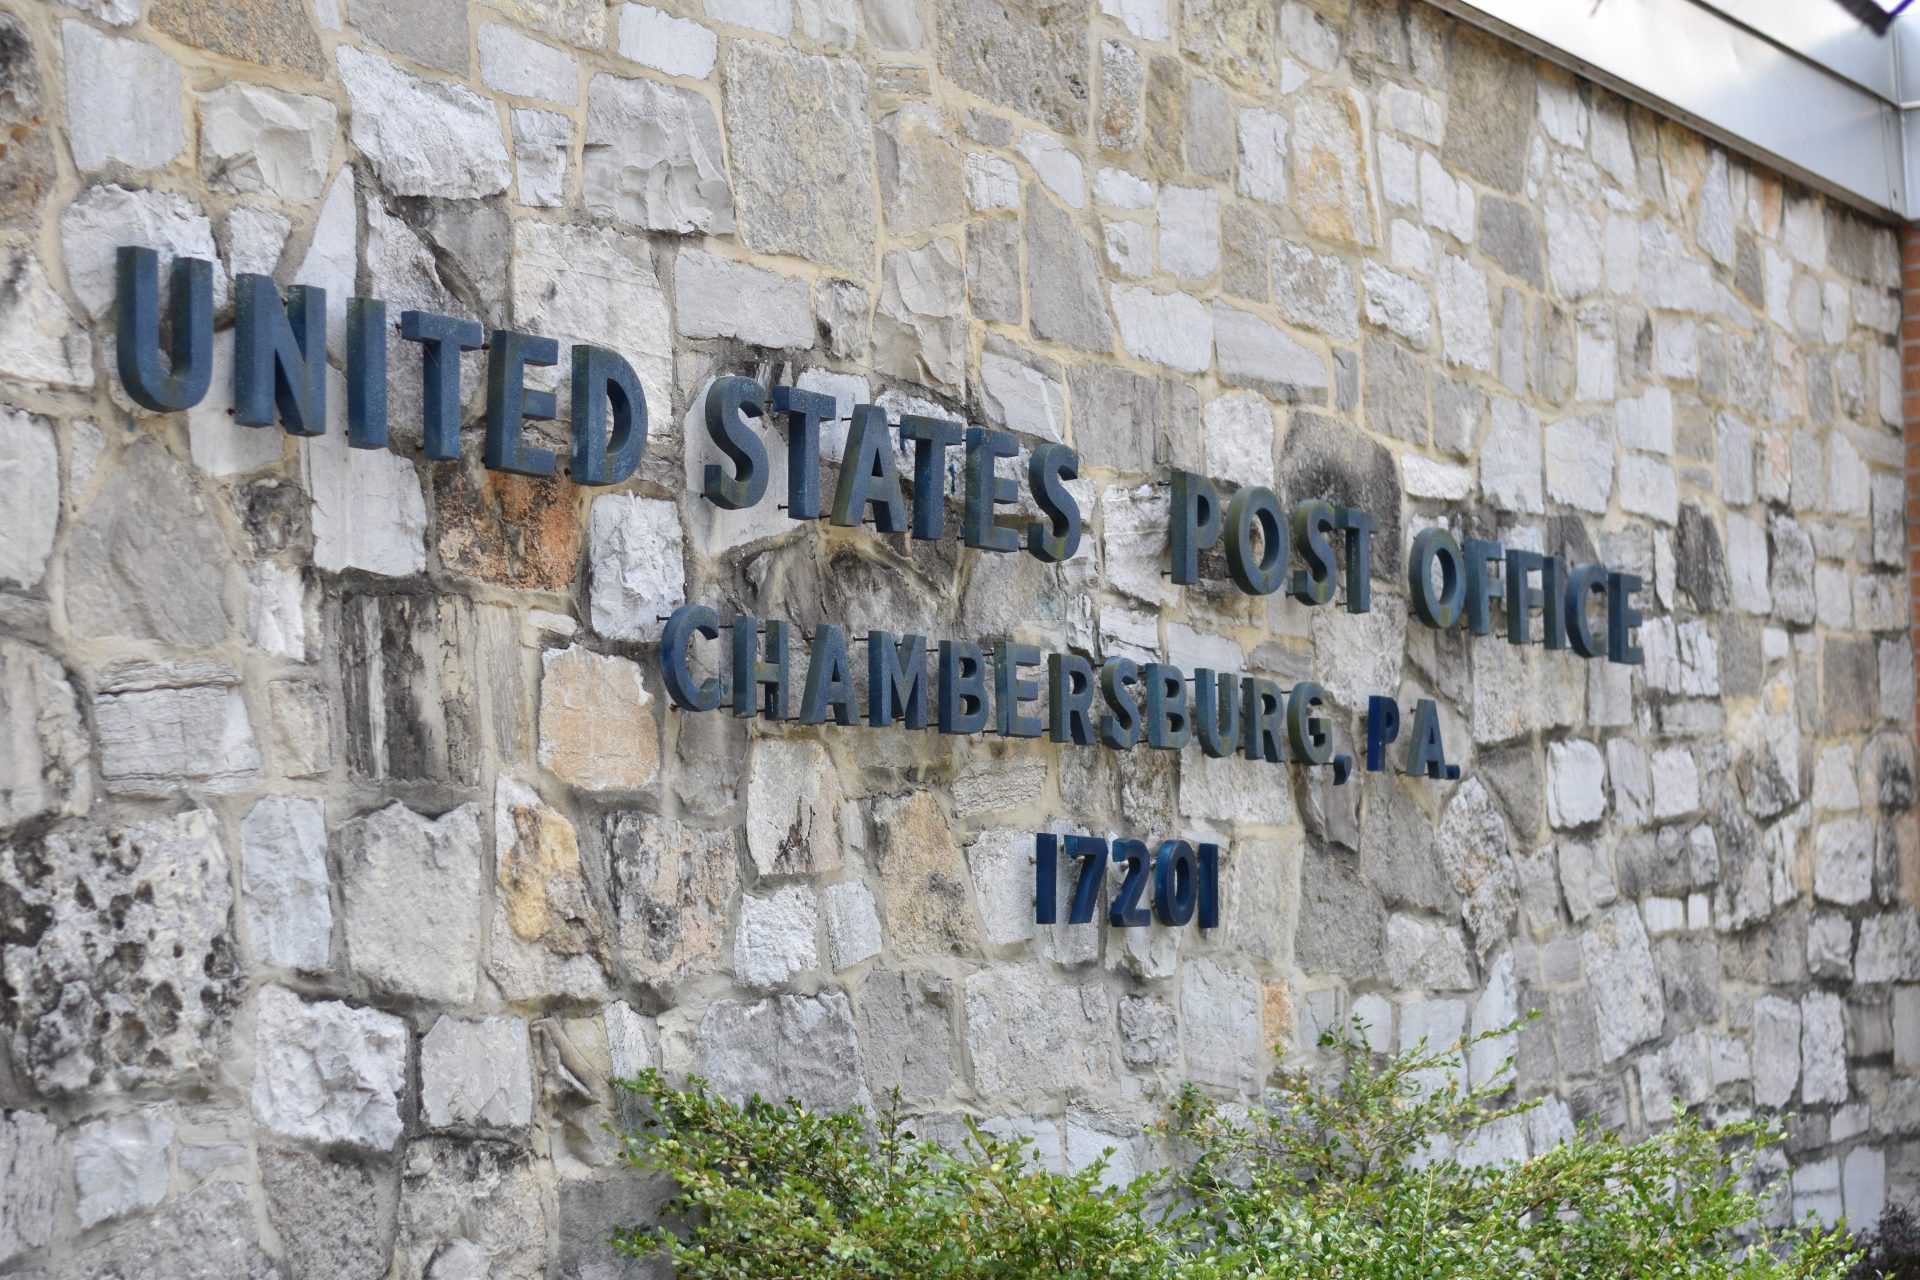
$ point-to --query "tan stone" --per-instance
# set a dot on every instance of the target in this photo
(673, 884)
(1234, 39)
(595, 729)
(299, 728)
(1276, 1015)
(272, 33)
(549, 939)
(923, 879)
(1330, 169)
(517, 531)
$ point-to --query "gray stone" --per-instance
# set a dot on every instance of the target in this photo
(1220, 1020)
(841, 310)
(1063, 280)
(1121, 419)
(1021, 392)
(1028, 56)
(412, 891)
(993, 270)
(205, 1232)
(803, 1047)
(1776, 1051)
(1255, 354)
(1342, 926)
(1315, 290)
(1397, 302)
(654, 157)
(1823, 1049)
(799, 123)
(776, 937)
(715, 298)
(1889, 949)
(336, 1217)
(129, 979)
(368, 511)
(45, 767)
(1507, 233)
(283, 880)
(548, 938)
(429, 31)
(1395, 390)
(1843, 861)
(470, 1209)
(1458, 412)
(328, 1072)
(542, 146)
(1511, 459)
(120, 1163)
(920, 325)
(149, 562)
(1486, 136)
(257, 141)
(423, 137)
(123, 100)
(853, 926)
(1427, 956)
(1849, 684)
(1321, 457)
(1586, 878)
(41, 342)
(1472, 842)
(1029, 1033)
(1189, 230)
(31, 1175)
(1619, 969)
(476, 1074)
(906, 1032)
(1579, 463)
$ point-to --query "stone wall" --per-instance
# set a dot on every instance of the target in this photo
(348, 845)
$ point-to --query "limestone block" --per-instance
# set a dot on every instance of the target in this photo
(29, 490)
(430, 31)
(1328, 180)
(1511, 459)
(164, 727)
(1026, 56)
(799, 121)
(923, 879)
(1425, 955)
(476, 1074)
(595, 285)
(1189, 219)
(1253, 353)
(208, 1229)
(654, 157)
(673, 885)
(123, 100)
(120, 1163)
(920, 170)
(1021, 392)
(1063, 281)
(423, 137)
(776, 937)
(514, 63)
(1823, 1048)
(783, 1046)
(283, 883)
(548, 939)
(1240, 434)
(258, 141)
(107, 216)
(1843, 861)
(335, 1216)
(853, 925)
(595, 730)
(41, 341)
(327, 1071)
(1398, 302)
(1473, 847)
(44, 769)
(715, 298)
(31, 1176)
(30, 162)
(368, 509)
(1030, 1033)
(1626, 988)
(919, 326)
(1315, 290)
(148, 560)
(793, 809)
(411, 892)
(1576, 784)
(635, 550)
(1579, 463)
(470, 1208)
(677, 46)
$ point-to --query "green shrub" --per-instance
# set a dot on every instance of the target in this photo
(1347, 1179)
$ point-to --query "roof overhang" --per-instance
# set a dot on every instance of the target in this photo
(1802, 85)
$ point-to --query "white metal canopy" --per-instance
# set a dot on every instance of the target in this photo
(1804, 85)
